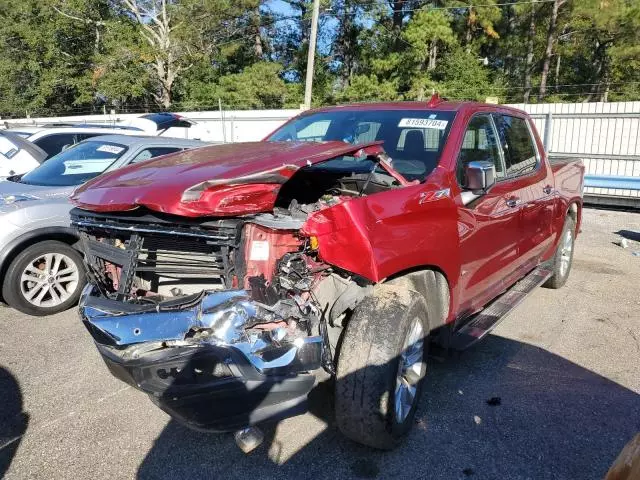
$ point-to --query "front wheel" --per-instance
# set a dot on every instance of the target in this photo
(381, 367)
(45, 278)
(563, 258)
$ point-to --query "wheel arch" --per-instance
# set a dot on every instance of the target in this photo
(432, 283)
(62, 234)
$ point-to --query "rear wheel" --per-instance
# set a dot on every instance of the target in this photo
(381, 367)
(45, 278)
(563, 258)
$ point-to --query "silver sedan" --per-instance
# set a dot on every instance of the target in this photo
(41, 271)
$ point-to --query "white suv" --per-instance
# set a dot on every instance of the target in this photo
(54, 138)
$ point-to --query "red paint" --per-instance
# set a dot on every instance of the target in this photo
(227, 200)
(160, 184)
(278, 243)
(481, 247)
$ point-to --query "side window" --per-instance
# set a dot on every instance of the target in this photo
(149, 153)
(54, 143)
(519, 152)
(479, 144)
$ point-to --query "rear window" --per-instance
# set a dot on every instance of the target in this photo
(413, 138)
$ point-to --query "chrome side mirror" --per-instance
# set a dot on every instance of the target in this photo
(480, 175)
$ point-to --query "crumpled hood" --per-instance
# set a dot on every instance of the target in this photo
(222, 180)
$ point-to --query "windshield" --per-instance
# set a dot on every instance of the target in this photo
(413, 138)
(75, 165)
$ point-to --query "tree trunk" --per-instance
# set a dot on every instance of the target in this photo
(468, 33)
(258, 51)
(557, 73)
(511, 27)
(600, 73)
(398, 14)
(433, 55)
(528, 66)
(551, 39)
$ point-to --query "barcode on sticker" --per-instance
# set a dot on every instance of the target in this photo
(423, 123)
(259, 250)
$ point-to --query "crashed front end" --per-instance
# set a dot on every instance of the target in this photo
(219, 321)
(213, 294)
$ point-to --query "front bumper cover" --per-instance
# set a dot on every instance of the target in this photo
(197, 362)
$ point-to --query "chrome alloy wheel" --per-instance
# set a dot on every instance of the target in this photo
(49, 280)
(565, 252)
(410, 370)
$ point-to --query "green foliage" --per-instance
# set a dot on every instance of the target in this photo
(67, 56)
(462, 76)
(257, 87)
(368, 88)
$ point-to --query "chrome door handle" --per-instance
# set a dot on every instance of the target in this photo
(548, 189)
(513, 202)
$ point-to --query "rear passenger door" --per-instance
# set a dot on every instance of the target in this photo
(531, 184)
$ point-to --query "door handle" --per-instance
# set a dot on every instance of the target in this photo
(547, 189)
(513, 202)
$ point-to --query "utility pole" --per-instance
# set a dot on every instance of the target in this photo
(308, 87)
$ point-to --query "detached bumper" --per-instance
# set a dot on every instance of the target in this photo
(219, 378)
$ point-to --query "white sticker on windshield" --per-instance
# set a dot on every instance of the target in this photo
(110, 149)
(423, 123)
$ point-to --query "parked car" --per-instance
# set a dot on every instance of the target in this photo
(56, 137)
(227, 281)
(40, 271)
(17, 153)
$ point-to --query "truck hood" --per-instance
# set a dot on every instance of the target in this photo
(223, 180)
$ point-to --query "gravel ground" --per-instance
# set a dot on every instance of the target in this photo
(564, 366)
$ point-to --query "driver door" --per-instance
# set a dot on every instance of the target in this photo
(488, 224)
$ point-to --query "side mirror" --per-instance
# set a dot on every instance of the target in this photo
(481, 176)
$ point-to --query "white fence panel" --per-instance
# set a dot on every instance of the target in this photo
(605, 135)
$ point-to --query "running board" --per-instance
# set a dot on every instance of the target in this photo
(486, 320)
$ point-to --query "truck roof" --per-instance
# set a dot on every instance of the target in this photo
(433, 104)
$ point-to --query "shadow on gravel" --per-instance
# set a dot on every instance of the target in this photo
(13, 421)
(503, 409)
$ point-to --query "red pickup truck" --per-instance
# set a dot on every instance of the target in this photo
(226, 281)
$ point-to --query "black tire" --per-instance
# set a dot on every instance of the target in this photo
(560, 274)
(368, 366)
(13, 287)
